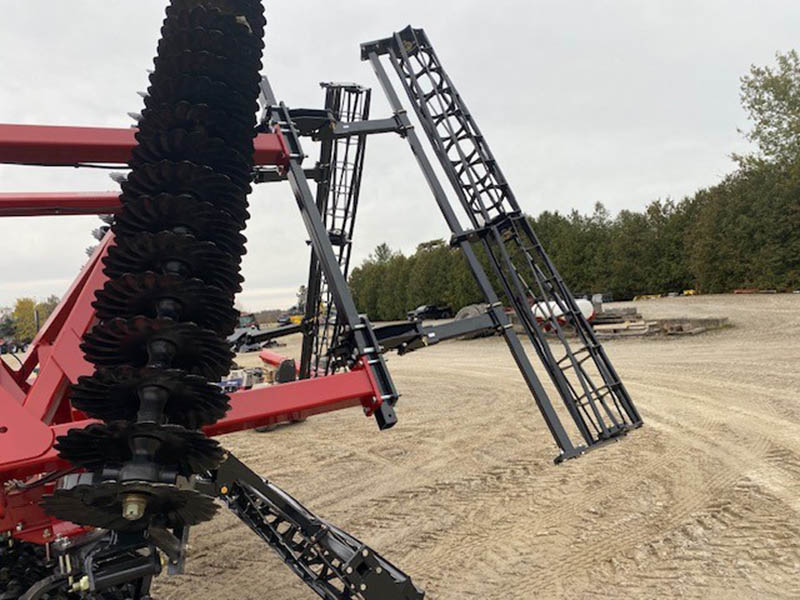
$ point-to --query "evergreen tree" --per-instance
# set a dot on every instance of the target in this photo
(7, 327)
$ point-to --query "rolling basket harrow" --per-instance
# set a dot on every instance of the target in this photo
(108, 456)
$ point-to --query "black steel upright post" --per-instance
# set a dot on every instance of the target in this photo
(314, 286)
(342, 161)
(356, 328)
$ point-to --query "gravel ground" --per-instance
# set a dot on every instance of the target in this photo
(702, 502)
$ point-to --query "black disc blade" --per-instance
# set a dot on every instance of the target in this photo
(168, 252)
(221, 16)
(21, 566)
(109, 444)
(199, 39)
(228, 35)
(113, 394)
(182, 214)
(86, 501)
(184, 177)
(125, 342)
(198, 89)
(213, 122)
(214, 66)
(197, 147)
(147, 294)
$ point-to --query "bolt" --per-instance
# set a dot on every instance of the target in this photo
(82, 585)
(223, 489)
(19, 526)
(378, 570)
(349, 570)
(245, 22)
(365, 553)
(46, 533)
(363, 586)
(133, 506)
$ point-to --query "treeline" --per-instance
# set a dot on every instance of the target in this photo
(744, 232)
(388, 284)
(741, 233)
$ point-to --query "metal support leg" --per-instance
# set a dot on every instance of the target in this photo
(356, 327)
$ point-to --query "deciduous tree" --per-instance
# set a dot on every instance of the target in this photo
(771, 97)
(24, 319)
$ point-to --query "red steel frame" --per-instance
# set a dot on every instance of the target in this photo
(35, 410)
(57, 145)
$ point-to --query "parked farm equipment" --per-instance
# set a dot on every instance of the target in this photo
(106, 456)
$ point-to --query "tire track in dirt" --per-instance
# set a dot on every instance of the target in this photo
(717, 545)
(679, 510)
(700, 503)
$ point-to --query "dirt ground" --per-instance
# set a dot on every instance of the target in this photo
(702, 502)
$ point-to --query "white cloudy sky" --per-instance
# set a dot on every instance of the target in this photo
(617, 101)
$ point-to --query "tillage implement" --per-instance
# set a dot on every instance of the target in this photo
(108, 453)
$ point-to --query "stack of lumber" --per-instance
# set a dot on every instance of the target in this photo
(628, 322)
(622, 322)
(625, 322)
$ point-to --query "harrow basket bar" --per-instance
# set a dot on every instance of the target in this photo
(593, 394)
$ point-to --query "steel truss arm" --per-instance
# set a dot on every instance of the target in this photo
(495, 310)
(333, 563)
(342, 158)
(593, 395)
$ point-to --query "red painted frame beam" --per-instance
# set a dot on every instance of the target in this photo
(65, 362)
(250, 408)
(40, 204)
(58, 145)
(295, 400)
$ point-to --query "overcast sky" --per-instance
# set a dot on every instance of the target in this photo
(613, 101)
